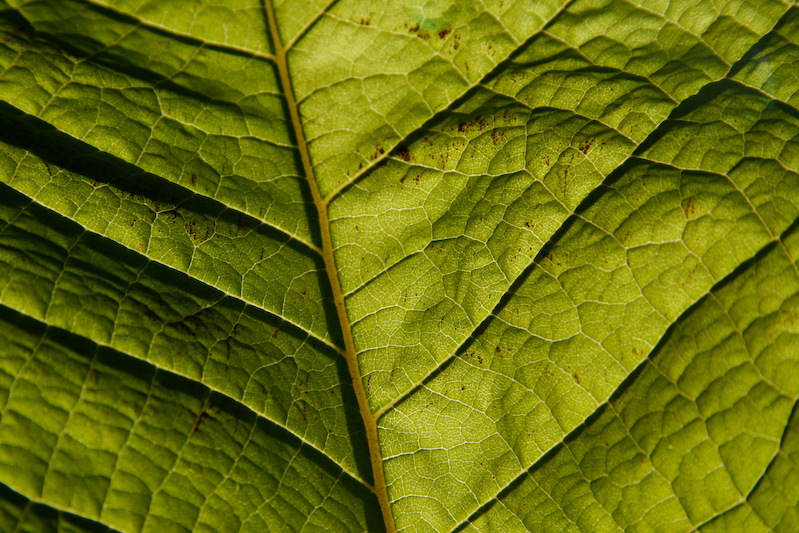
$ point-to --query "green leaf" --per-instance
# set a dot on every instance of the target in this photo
(421, 267)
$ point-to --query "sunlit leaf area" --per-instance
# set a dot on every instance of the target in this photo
(421, 266)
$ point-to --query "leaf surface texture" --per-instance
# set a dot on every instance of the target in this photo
(390, 266)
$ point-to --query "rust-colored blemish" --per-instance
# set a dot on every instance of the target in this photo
(497, 136)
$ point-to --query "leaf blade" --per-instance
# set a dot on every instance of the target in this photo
(507, 268)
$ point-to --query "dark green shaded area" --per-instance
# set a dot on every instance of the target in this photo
(108, 436)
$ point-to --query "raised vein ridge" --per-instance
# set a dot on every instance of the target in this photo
(369, 420)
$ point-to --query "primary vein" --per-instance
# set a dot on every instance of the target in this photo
(369, 420)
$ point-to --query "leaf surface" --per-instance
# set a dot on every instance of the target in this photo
(434, 267)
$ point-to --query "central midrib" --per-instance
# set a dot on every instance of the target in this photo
(369, 420)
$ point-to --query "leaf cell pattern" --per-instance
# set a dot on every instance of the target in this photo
(389, 266)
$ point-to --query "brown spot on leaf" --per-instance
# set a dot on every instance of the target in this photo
(404, 153)
(199, 421)
(576, 378)
(477, 123)
(689, 208)
(443, 33)
(379, 150)
(497, 136)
